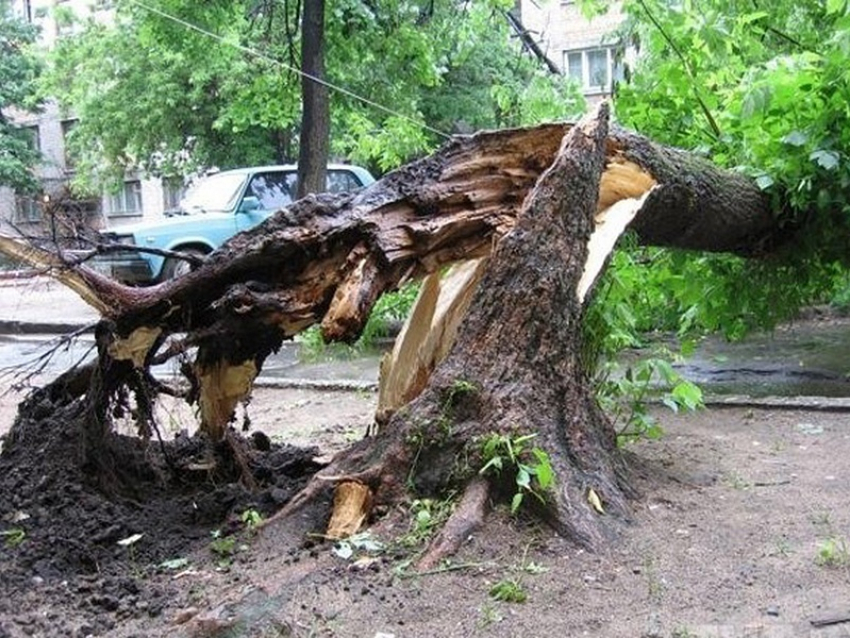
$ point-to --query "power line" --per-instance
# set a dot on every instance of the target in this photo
(288, 67)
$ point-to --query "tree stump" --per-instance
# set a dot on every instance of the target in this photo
(514, 372)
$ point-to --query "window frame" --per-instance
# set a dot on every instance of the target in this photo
(173, 191)
(67, 126)
(28, 209)
(131, 192)
(585, 52)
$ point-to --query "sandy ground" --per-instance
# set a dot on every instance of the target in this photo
(743, 529)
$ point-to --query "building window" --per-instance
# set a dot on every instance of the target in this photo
(127, 201)
(173, 190)
(67, 131)
(28, 208)
(31, 136)
(595, 69)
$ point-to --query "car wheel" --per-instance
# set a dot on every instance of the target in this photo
(173, 268)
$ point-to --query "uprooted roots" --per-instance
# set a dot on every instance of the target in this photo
(394, 470)
(467, 516)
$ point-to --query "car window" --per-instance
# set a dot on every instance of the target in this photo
(338, 181)
(271, 189)
(341, 181)
(214, 193)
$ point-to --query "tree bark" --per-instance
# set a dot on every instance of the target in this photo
(519, 195)
(514, 371)
(315, 119)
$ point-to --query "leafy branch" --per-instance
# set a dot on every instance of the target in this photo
(688, 69)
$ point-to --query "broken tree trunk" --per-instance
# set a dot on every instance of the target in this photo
(512, 385)
(326, 259)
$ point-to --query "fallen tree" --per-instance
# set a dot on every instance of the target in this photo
(530, 199)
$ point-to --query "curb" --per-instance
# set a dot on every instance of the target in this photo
(339, 385)
(809, 403)
(19, 274)
(31, 327)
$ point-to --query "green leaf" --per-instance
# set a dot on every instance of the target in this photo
(516, 502)
(544, 472)
(795, 138)
(835, 6)
(495, 463)
(688, 394)
(764, 181)
(671, 403)
(523, 477)
(825, 159)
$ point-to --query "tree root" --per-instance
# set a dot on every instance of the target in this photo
(467, 517)
(241, 459)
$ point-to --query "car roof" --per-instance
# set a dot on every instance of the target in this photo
(281, 167)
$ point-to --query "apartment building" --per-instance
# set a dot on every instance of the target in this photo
(586, 50)
(48, 131)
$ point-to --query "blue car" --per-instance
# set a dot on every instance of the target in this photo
(214, 209)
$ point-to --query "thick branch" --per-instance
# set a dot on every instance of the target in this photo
(452, 205)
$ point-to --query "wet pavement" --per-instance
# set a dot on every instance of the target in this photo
(807, 358)
(35, 313)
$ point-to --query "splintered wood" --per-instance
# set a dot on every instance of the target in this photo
(222, 387)
(427, 335)
(136, 347)
(430, 329)
(609, 225)
(352, 504)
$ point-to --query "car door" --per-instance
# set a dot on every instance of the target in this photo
(265, 194)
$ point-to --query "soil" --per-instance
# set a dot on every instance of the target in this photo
(743, 529)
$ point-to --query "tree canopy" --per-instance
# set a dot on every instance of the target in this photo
(760, 88)
(19, 69)
(215, 85)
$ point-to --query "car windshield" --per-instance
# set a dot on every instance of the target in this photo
(213, 193)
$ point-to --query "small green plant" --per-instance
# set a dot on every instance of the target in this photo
(252, 519)
(489, 616)
(532, 466)
(428, 516)
(682, 632)
(222, 546)
(130, 544)
(833, 552)
(783, 548)
(737, 482)
(623, 394)
(822, 518)
(457, 390)
(14, 536)
(508, 590)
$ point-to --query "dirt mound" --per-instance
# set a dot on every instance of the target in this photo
(67, 535)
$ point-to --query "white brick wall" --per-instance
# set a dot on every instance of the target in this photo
(559, 26)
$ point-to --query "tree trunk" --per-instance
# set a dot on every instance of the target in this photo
(315, 119)
(514, 369)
